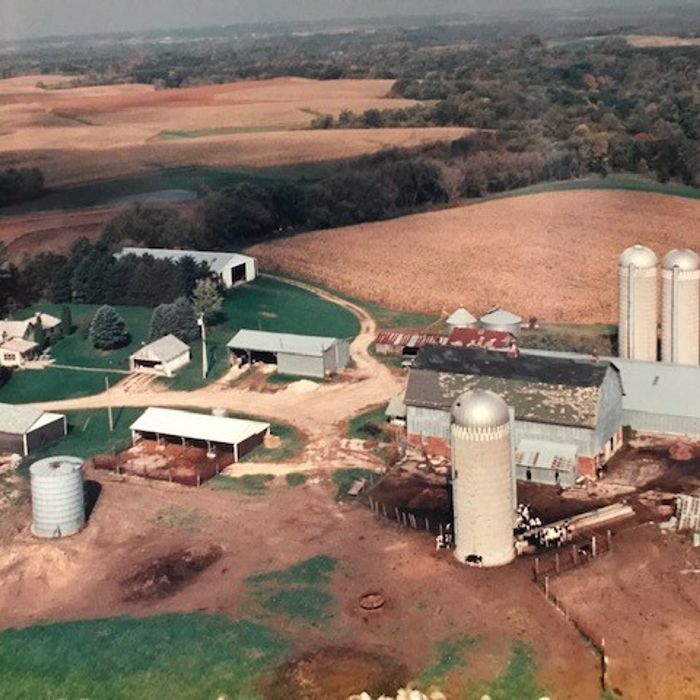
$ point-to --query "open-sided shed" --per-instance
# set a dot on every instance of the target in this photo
(200, 429)
(24, 429)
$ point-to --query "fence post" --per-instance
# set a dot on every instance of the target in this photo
(609, 536)
(199, 481)
(556, 562)
(397, 514)
(593, 546)
(537, 568)
(574, 555)
(427, 525)
(546, 587)
(441, 532)
(371, 505)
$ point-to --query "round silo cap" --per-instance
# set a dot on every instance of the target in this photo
(480, 409)
(684, 259)
(639, 256)
(55, 467)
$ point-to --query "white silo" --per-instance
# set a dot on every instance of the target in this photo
(483, 479)
(680, 308)
(58, 499)
(638, 304)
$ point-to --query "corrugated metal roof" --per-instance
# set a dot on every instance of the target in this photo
(162, 350)
(197, 426)
(405, 339)
(216, 261)
(501, 316)
(18, 420)
(290, 343)
(480, 338)
(544, 454)
(461, 317)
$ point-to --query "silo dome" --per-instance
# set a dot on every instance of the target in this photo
(639, 256)
(480, 409)
(686, 260)
(58, 500)
(483, 479)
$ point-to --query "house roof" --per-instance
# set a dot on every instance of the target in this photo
(501, 316)
(164, 349)
(197, 426)
(401, 339)
(20, 420)
(217, 262)
(480, 338)
(18, 345)
(546, 390)
(288, 343)
(20, 328)
(461, 317)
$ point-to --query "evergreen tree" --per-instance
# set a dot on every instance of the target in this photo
(108, 329)
(207, 299)
(38, 332)
(178, 319)
(66, 320)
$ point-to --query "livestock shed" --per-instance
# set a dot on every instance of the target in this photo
(567, 412)
(163, 357)
(24, 429)
(405, 343)
(303, 355)
(199, 429)
(480, 338)
(232, 268)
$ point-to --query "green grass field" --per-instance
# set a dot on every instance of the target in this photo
(344, 479)
(265, 304)
(192, 178)
(356, 425)
(219, 131)
(178, 656)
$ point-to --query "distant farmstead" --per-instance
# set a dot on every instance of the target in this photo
(163, 357)
(302, 355)
(24, 429)
(232, 268)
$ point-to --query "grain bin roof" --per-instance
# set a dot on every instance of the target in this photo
(164, 349)
(197, 426)
(289, 343)
(217, 262)
(461, 317)
(20, 420)
(501, 316)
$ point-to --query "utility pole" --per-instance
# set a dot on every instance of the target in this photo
(205, 358)
(110, 418)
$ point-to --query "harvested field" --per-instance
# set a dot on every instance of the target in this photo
(550, 255)
(656, 41)
(127, 129)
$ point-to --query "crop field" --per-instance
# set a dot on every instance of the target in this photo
(82, 134)
(656, 41)
(550, 255)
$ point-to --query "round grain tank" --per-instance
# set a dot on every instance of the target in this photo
(461, 318)
(483, 479)
(680, 308)
(638, 304)
(501, 320)
(58, 499)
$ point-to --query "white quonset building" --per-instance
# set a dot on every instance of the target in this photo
(24, 429)
(232, 268)
(303, 355)
(200, 429)
(163, 357)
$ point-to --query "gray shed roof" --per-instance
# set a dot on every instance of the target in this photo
(18, 420)
(164, 349)
(217, 261)
(397, 406)
(289, 343)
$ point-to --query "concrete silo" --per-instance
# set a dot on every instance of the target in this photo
(638, 300)
(58, 500)
(680, 308)
(483, 479)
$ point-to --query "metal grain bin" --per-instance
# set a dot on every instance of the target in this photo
(483, 479)
(58, 497)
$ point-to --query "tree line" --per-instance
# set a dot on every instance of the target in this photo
(20, 185)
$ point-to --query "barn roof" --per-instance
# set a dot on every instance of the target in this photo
(20, 420)
(287, 343)
(540, 389)
(405, 339)
(197, 426)
(164, 349)
(481, 338)
(217, 262)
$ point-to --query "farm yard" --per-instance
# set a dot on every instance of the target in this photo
(243, 124)
(265, 304)
(556, 248)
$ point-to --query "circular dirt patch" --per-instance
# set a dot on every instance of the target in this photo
(334, 673)
(372, 601)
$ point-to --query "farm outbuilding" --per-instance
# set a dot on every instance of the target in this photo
(200, 430)
(480, 338)
(24, 429)
(163, 357)
(232, 268)
(302, 355)
(405, 343)
(568, 412)
(501, 320)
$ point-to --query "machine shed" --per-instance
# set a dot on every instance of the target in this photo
(164, 357)
(24, 429)
(302, 355)
(209, 431)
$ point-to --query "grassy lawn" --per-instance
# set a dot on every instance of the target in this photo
(187, 178)
(344, 479)
(375, 416)
(296, 479)
(571, 337)
(176, 656)
(518, 679)
(248, 484)
(265, 304)
(451, 654)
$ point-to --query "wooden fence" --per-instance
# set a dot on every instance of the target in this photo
(405, 518)
(570, 557)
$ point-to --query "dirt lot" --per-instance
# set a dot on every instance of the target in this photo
(81, 134)
(135, 526)
(514, 252)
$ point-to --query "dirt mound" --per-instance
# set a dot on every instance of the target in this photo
(334, 673)
(681, 452)
(166, 575)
